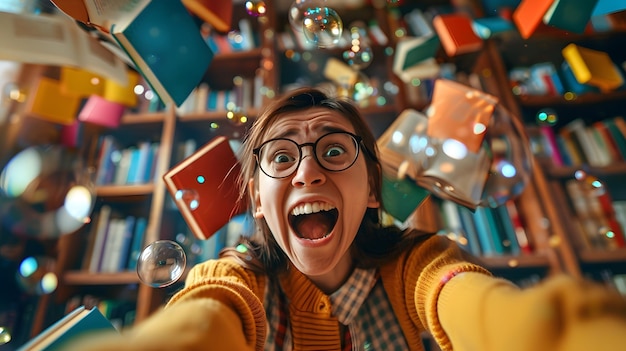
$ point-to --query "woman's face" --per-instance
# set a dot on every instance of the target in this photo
(314, 242)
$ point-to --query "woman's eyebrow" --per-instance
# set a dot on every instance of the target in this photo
(291, 132)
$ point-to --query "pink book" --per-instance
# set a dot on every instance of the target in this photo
(98, 110)
(548, 134)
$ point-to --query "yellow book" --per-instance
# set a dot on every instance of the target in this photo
(80, 82)
(593, 67)
(122, 94)
(51, 104)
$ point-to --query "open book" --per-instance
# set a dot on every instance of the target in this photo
(76, 323)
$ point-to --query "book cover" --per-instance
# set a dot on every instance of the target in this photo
(80, 82)
(411, 51)
(569, 15)
(167, 48)
(572, 84)
(484, 231)
(51, 104)
(76, 323)
(100, 111)
(549, 137)
(136, 245)
(593, 67)
(217, 13)
(402, 196)
(205, 187)
(122, 93)
(456, 33)
(528, 16)
(104, 217)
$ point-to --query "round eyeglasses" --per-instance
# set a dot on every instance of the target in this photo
(336, 151)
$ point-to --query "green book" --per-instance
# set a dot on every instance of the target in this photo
(76, 323)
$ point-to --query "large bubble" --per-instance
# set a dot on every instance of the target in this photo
(45, 192)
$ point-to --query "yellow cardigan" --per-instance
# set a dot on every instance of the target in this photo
(430, 288)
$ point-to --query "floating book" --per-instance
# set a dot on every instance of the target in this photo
(413, 53)
(593, 67)
(528, 16)
(456, 33)
(166, 47)
(75, 324)
(569, 15)
(100, 111)
(55, 40)
(205, 187)
(50, 103)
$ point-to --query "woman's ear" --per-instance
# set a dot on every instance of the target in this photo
(256, 200)
(372, 202)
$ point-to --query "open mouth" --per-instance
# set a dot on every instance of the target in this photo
(313, 221)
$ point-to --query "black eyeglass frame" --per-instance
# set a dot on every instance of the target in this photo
(358, 142)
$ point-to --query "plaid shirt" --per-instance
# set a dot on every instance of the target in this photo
(360, 303)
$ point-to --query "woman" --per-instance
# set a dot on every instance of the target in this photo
(322, 273)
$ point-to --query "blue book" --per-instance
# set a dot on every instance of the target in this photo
(136, 245)
(74, 324)
(167, 48)
(126, 242)
(485, 232)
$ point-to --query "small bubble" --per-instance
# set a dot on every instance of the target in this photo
(161, 263)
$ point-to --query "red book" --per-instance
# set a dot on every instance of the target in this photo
(550, 138)
(528, 16)
(456, 33)
(205, 189)
(98, 110)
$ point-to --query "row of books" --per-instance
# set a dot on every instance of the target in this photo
(245, 95)
(292, 39)
(114, 241)
(121, 165)
(579, 75)
(598, 144)
(486, 231)
(242, 39)
(602, 220)
(198, 250)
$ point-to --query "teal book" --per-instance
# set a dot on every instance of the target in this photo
(79, 322)
(570, 15)
(167, 48)
(402, 197)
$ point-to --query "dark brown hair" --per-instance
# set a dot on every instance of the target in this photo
(373, 243)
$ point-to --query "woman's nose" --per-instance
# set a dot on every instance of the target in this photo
(309, 171)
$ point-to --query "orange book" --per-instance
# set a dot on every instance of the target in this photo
(456, 33)
(460, 112)
(205, 189)
(217, 13)
(50, 103)
(528, 16)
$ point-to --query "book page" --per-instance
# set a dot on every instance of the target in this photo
(105, 13)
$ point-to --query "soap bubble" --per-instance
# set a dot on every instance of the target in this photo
(36, 275)
(256, 8)
(298, 10)
(161, 263)
(45, 192)
(322, 26)
(5, 336)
